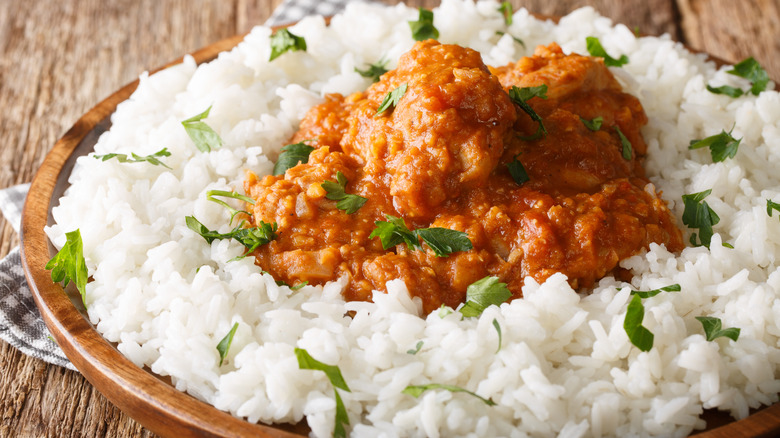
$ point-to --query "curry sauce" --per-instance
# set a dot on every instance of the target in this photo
(439, 159)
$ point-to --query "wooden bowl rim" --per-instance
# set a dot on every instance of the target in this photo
(142, 395)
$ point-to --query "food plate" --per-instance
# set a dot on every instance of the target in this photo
(147, 398)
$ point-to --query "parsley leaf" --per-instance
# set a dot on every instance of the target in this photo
(638, 334)
(751, 70)
(654, 292)
(725, 89)
(443, 241)
(417, 390)
(627, 150)
(374, 71)
(423, 28)
(517, 40)
(283, 41)
(210, 195)
(721, 145)
(391, 99)
(517, 171)
(712, 328)
(69, 264)
(202, 135)
(151, 159)
(506, 11)
(595, 49)
(290, 156)
(251, 238)
(306, 362)
(482, 294)
(698, 214)
(771, 205)
(416, 349)
(520, 96)
(337, 192)
(594, 125)
(498, 330)
(224, 344)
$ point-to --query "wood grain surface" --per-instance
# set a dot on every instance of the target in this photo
(61, 58)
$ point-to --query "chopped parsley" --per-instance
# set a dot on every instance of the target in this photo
(698, 214)
(69, 264)
(423, 28)
(202, 135)
(771, 205)
(417, 390)
(726, 89)
(517, 40)
(251, 238)
(443, 241)
(210, 195)
(517, 171)
(416, 348)
(594, 125)
(306, 362)
(391, 99)
(482, 294)
(638, 334)
(151, 159)
(374, 71)
(224, 344)
(751, 70)
(713, 329)
(654, 292)
(506, 11)
(595, 49)
(520, 96)
(337, 191)
(498, 330)
(721, 145)
(625, 144)
(290, 156)
(285, 41)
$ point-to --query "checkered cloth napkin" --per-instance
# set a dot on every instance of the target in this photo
(20, 321)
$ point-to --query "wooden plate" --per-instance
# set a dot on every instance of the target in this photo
(150, 399)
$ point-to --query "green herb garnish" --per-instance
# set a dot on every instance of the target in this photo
(417, 390)
(337, 192)
(726, 89)
(594, 125)
(506, 11)
(224, 344)
(654, 292)
(202, 135)
(251, 238)
(751, 70)
(416, 349)
(69, 264)
(210, 195)
(698, 214)
(721, 145)
(445, 310)
(291, 155)
(443, 241)
(374, 71)
(284, 41)
(520, 96)
(482, 294)
(498, 330)
(391, 99)
(771, 205)
(299, 285)
(638, 334)
(517, 171)
(595, 49)
(517, 40)
(423, 28)
(151, 159)
(712, 328)
(625, 144)
(306, 362)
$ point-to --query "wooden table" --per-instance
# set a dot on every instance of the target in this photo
(60, 58)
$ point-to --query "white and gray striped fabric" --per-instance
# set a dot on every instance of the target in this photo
(20, 321)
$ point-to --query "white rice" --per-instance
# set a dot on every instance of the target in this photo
(565, 367)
